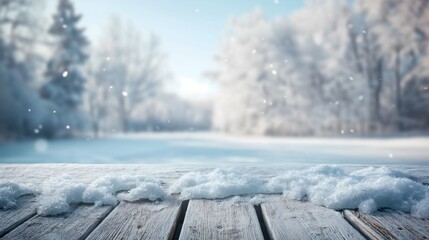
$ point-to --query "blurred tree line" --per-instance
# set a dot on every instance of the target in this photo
(333, 67)
(55, 84)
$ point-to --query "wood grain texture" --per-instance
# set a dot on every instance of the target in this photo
(12, 218)
(289, 219)
(216, 219)
(389, 224)
(75, 225)
(139, 220)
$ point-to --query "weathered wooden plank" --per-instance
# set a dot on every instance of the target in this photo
(289, 219)
(389, 224)
(139, 220)
(75, 225)
(12, 218)
(216, 219)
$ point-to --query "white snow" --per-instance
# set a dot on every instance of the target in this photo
(150, 190)
(59, 193)
(366, 189)
(421, 209)
(217, 184)
(216, 166)
(11, 191)
(368, 206)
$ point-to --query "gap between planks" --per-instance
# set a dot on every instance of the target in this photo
(69, 224)
(364, 224)
(388, 224)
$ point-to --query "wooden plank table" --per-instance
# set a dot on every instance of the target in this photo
(139, 220)
(389, 224)
(276, 218)
(289, 219)
(76, 225)
(12, 218)
(217, 219)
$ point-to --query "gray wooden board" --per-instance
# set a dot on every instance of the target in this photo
(75, 225)
(139, 220)
(289, 219)
(12, 218)
(217, 219)
(389, 224)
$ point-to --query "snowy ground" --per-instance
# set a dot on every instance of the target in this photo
(218, 149)
(369, 173)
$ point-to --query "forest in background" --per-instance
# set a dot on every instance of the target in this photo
(55, 83)
(331, 68)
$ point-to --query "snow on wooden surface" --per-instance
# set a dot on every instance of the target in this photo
(76, 225)
(289, 219)
(217, 219)
(11, 218)
(389, 224)
(139, 220)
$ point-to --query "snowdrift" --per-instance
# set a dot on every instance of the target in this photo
(366, 189)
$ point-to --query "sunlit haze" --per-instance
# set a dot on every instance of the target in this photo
(190, 31)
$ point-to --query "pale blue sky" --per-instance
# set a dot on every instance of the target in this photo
(190, 30)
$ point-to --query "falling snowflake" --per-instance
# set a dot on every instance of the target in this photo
(29, 110)
(360, 98)
(274, 72)
(65, 74)
(68, 127)
(124, 93)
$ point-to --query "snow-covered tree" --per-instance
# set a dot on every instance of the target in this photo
(127, 70)
(333, 67)
(66, 83)
(245, 73)
(22, 112)
(335, 86)
(397, 30)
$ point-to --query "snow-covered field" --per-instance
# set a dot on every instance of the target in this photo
(337, 173)
(219, 149)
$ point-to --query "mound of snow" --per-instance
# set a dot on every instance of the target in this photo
(368, 189)
(10, 192)
(59, 193)
(147, 190)
(216, 184)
